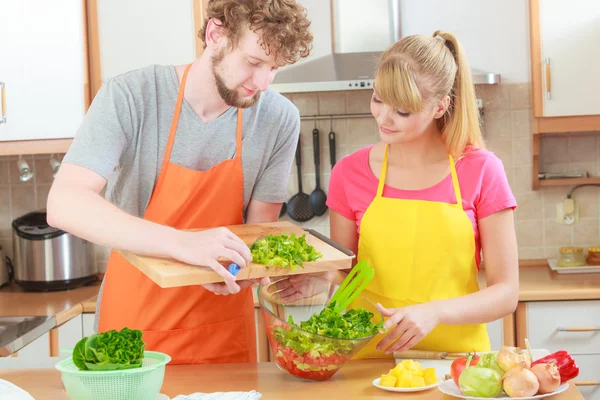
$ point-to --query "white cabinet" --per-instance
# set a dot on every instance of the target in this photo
(569, 33)
(43, 68)
(134, 34)
(573, 326)
(496, 333)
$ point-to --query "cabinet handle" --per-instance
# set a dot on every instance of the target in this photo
(548, 79)
(580, 329)
(586, 383)
(3, 95)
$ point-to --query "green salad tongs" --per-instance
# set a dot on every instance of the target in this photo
(356, 281)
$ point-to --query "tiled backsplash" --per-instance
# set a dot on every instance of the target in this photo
(507, 130)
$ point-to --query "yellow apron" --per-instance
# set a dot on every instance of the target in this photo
(421, 251)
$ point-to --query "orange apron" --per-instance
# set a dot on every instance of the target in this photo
(191, 324)
(421, 251)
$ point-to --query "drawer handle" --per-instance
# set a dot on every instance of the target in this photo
(580, 329)
(548, 79)
(3, 97)
(586, 383)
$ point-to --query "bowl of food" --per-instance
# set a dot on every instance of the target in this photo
(309, 339)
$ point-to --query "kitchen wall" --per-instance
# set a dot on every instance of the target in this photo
(507, 130)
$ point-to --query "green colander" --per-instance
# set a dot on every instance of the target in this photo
(142, 383)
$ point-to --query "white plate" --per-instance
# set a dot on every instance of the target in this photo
(404, 390)
(586, 269)
(449, 387)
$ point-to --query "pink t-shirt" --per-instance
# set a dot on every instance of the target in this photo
(483, 185)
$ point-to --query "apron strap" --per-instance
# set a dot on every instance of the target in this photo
(238, 135)
(383, 172)
(175, 120)
(457, 193)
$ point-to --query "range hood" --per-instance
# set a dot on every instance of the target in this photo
(359, 35)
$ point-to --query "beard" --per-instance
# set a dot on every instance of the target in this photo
(229, 96)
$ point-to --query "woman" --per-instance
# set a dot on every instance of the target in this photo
(422, 204)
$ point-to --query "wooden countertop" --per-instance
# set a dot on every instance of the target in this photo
(540, 283)
(64, 305)
(352, 381)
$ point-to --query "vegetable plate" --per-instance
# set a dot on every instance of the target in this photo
(449, 387)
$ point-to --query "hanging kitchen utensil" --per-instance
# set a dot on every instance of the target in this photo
(356, 281)
(298, 207)
(318, 198)
(332, 148)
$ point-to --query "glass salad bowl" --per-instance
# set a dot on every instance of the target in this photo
(299, 350)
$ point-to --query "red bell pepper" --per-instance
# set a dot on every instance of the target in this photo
(564, 362)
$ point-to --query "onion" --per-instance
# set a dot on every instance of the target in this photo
(520, 382)
(509, 357)
(548, 376)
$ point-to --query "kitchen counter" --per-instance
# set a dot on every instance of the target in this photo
(352, 381)
(540, 283)
(63, 305)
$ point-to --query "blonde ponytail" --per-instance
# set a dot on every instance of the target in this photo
(460, 125)
(418, 70)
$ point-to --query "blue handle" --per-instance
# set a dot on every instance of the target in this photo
(234, 269)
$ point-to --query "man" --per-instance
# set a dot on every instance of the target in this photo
(199, 146)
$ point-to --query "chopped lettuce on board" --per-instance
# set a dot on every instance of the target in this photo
(111, 350)
(283, 250)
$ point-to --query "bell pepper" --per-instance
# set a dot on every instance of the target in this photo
(564, 362)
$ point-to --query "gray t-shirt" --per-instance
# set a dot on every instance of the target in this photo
(125, 132)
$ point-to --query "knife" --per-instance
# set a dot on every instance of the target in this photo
(330, 242)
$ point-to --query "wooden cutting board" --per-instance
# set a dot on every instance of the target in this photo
(171, 273)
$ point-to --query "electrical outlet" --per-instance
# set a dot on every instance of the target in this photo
(567, 218)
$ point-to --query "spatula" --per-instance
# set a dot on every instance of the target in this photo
(356, 281)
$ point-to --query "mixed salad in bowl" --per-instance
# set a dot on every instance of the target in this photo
(312, 341)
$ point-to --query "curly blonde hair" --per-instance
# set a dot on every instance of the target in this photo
(282, 25)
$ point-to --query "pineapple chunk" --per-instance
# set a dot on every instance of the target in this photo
(417, 381)
(407, 364)
(388, 380)
(429, 376)
(404, 380)
(397, 370)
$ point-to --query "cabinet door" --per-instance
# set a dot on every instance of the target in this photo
(496, 333)
(88, 323)
(138, 33)
(43, 68)
(569, 33)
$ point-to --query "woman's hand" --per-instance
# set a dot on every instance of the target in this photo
(297, 287)
(412, 323)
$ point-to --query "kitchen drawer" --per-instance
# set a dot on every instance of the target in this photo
(570, 325)
(589, 374)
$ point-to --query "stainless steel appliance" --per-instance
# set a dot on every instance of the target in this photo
(47, 258)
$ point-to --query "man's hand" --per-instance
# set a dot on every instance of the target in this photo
(205, 247)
